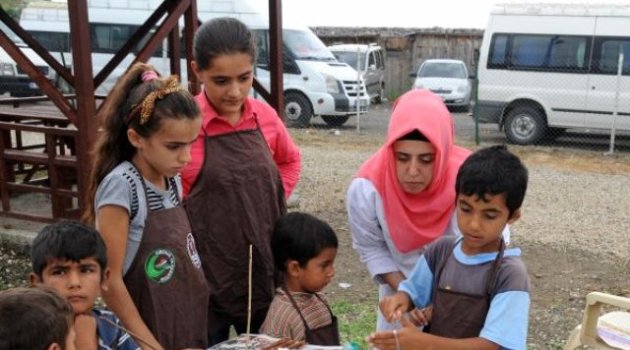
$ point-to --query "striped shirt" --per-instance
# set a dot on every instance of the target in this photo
(283, 321)
(111, 335)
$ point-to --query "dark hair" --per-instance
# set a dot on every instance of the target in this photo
(223, 35)
(301, 237)
(414, 135)
(69, 240)
(493, 170)
(33, 318)
(121, 112)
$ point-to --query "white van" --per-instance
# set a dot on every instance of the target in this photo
(369, 60)
(13, 80)
(315, 84)
(547, 68)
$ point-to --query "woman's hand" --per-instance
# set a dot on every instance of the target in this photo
(393, 307)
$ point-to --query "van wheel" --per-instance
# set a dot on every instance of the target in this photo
(381, 95)
(297, 110)
(524, 125)
(332, 120)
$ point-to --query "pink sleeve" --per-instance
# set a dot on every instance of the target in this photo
(285, 153)
(192, 169)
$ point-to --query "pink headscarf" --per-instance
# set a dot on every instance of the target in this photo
(417, 219)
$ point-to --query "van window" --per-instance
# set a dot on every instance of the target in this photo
(350, 57)
(52, 41)
(108, 38)
(262, 59)
(261, 36)
(304, 44)
(606, 55)
(380, 61)
(498, 51)
(539, 52)
(371, 59)
(442, 70)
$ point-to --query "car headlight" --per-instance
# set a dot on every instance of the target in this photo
(462, 88)
(332, 85)
(7, 69)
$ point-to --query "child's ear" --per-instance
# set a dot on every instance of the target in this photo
(195, 68)
(293, 268)
(515, 216)
(33, 279)
(134, 138)
(105, 280)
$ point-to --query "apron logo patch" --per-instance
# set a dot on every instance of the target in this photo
(160, 265)
(192, 251)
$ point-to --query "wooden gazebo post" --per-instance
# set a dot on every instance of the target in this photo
(84, 86)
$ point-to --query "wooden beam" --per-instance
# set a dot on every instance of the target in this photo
(86, 102)
(275, 57)
(191, 23)
(176, 10)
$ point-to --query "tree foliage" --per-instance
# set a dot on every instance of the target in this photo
(13, 7)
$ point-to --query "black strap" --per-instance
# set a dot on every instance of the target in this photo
(172, 187)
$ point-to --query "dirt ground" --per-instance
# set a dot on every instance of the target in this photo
(556, 238)
(562, 268)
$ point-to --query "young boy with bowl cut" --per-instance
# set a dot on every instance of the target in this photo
(478, 288)
(70, 257)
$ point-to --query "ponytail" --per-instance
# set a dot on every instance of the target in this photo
(139, 101)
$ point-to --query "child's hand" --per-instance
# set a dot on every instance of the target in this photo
(394, 306)
(408, 337)
(421, 317)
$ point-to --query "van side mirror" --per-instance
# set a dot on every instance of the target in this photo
(412, 75)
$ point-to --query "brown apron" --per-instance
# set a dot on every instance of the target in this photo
(327, 335)
(166, 282)
(234, 202)
(461, 315)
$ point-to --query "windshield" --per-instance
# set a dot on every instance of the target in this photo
(442, 70)
(305, 45)
(350, 58)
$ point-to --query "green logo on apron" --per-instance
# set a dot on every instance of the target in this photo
(160, 265)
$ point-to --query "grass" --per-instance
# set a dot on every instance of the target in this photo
(356, 321)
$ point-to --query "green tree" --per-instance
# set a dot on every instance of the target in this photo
(13, 7)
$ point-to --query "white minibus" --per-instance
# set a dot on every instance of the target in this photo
(315, 83)
(14, 80)
(547, 68)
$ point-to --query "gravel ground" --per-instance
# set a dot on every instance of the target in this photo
(574, 230)
(573, 234)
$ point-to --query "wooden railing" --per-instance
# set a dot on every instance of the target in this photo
(37, 155)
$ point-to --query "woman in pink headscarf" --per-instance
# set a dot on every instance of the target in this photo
(403, 196)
